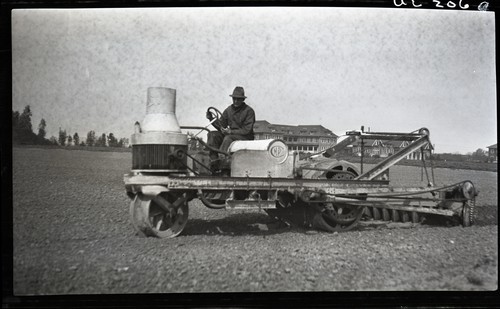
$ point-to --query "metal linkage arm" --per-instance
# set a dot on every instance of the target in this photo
(390, 161)
(395, 136)
(341, 145)
(195, 128)
(353, 136)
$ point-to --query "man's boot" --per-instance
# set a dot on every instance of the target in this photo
(214, 162)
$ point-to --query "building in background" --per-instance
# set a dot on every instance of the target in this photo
(492, 153)
(305, 138)
(383, 149)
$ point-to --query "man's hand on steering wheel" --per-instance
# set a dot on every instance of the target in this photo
(213, 113)
(210, 116)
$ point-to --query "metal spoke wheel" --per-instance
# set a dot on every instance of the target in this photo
(468, 213)
(395, 215)
(415, 217)
(368, 213)
(405, 217)
(385, 214)
(163, 215)
(338, 217)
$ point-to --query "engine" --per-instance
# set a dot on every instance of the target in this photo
(158, 145)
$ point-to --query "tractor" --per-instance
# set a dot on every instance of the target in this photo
(316, 192)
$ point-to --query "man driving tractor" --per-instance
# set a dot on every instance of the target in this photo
(235, 123)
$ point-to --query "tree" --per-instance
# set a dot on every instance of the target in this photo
(53, 140)
(479, 155)
(101, 141)
(70, 140)
(25, 120)
(76, 138)
(112, 141)
(15, 119)
(91, 138)
(21, 127)
(62, 137)
(41, 129)
(124, 142)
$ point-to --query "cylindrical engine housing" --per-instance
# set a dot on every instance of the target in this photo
(159, 145)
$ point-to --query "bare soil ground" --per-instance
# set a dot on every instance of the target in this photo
(72, 235)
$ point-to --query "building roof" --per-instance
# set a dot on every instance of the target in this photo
(263, 126)
(492, 147)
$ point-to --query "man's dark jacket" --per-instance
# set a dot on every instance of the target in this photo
(240, 119)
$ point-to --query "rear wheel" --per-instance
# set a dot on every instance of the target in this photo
(468, 213)
(338, 217)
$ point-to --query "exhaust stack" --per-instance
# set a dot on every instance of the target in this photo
(160, 111)
(159, 145)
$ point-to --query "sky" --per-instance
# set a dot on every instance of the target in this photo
(390, 70)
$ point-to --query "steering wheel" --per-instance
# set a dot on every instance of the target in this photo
(213, 113)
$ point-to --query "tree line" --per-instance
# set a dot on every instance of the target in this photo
(480, 155)
(22, 133)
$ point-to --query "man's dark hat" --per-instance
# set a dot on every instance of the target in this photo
(238, 92)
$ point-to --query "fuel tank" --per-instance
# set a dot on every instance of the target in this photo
(262, 158)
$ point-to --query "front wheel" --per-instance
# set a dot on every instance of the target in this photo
(164, 215)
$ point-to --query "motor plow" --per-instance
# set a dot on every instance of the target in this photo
(315, 192)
